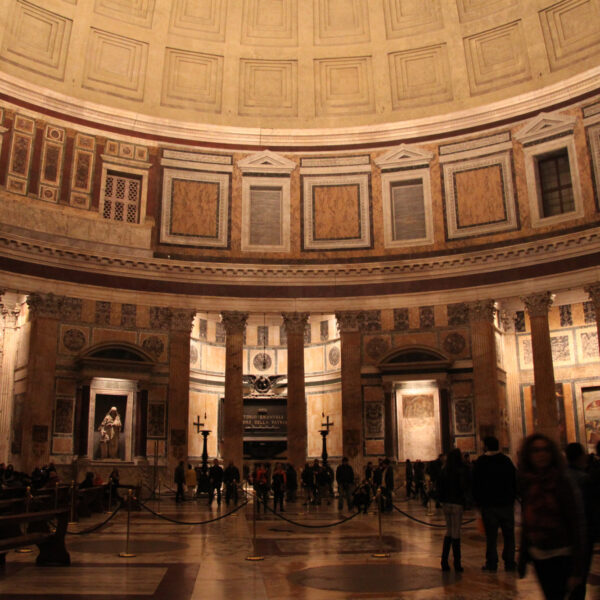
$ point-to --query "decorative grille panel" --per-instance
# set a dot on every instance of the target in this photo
(121, 198)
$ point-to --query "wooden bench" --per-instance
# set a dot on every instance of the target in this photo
(49, 538)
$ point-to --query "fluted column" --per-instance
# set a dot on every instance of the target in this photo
(44, 315)
(295, 324)
(9, 311)
(180, 326)
(537, 306)
(485, 371)
(233, 409)
(390, 440)
(593, 291)
(352, 418)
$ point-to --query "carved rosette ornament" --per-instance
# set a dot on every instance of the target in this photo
(538, 305)
(593, 291)
(182, 319)
(482, 310)
(348, 320)
(295, 322)
(45, 305)
(234, 321)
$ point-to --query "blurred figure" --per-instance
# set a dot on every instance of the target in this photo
(291, 483)
(261, 485)
(495, 491)
(553, 533)
(308, 483)
(278, 485)
(215, 477)
(88, 481)
(387, 485)
(179, 479)
(362, 496)
(409, 478)
(344, 475)
(453, 486)
(231, 479)
(419, 471)
(190, 479)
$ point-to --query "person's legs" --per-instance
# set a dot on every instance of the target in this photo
(447, 538)
(490, 524)
(553, 574)
(506, 517)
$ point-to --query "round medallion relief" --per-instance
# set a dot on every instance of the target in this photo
(376, 347)
(334, 356)
(262, 361)
(454, 343)
(154, 345)
(74, 340)
(193, 354)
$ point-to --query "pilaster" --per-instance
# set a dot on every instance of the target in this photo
(9, 311)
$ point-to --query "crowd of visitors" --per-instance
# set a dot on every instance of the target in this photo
(40, 477)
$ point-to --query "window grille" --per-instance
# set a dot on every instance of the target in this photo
(556, 187)
(121, 198)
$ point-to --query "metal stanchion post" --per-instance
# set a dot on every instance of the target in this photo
(255, 556)
(27, 503)
(56, 495)
(430, 511)
(381, 553)
(128, 554)
(158, 498)
(110, 486)
(72, 515)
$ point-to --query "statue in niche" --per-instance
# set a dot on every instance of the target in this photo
(110, 429)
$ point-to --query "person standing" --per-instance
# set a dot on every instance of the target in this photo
(215, 478)
(190, 479)
(419, 470)
(553, 532)
(278, 485)
(453, 485)
(261, 485)
(308, 483)
(344, 475)
(231, 479)
(495, 491)
(387, 485)
(180, 481)
(409, 478)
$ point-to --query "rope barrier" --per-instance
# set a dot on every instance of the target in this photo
(99, 525)
(435, 525)
(177, 522)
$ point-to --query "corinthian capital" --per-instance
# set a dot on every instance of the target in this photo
(593, 291)
(538, 305)
(482, 310)
(181, 319)
(295, 322)
(234, 321)
(45, 305)
(348, 320)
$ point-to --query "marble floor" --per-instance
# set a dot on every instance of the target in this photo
(190, 561)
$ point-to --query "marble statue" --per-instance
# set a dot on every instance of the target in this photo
(110, 429)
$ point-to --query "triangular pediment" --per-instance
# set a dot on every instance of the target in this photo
(545, 125)
(404, 156)
(266, 162)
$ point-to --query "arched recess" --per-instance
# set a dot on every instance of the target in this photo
(416, 384)
(113, 374)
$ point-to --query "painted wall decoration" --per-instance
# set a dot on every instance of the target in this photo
(464, 423)
(157, 417)
(373, 419)
(418, 407)
(591, 413)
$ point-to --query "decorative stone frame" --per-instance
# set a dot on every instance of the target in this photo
(135, 168)
(594, 141)
(545, 134)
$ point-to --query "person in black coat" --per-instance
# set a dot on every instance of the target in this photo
(387, 485)
(231, 478)
(344, 475)
(495, 491)
(215, 477)
(180, 481)
(453, 489)
(291, 483)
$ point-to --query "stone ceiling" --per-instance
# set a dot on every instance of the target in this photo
(295, 64)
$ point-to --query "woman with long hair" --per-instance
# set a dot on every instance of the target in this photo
(453, 490)
(553, 531)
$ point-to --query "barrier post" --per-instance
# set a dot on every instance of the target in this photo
(254, 556)
(56, 495)
(128, 554)
(381, 553)
(27, 503)
(430, 511)
(110, 487)
(72, 519)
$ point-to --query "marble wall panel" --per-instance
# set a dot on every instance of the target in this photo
(328, 401)
(204, 20)
(213, 358)
(115, 65)
(314, 361)
(82, 170)
(270, 22)
(37, 40)
(203, 402)
(571, 31)
(192, 79)
(341, 22)
(496, 58)
(411, 17)
(53, 149)
(21, 150)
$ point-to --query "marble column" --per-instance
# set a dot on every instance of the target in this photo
(537, 306)
(485, 370)
(44, 318)
(352, 410)
(180, 326)
(9, 312)
(233, 408)
(593, 291)
(295, 324)
(390, 442)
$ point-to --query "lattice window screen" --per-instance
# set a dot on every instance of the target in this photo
(121, 198)
(265, 216)
(408, 210)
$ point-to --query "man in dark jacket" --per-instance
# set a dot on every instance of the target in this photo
(494, 491)
(344, 475)
(180, 481)
(231, 478)
(215, 477)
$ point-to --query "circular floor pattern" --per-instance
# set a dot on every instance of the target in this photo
(376, 578)
(136, 546)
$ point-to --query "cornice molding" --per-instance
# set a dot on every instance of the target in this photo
(130, 123)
